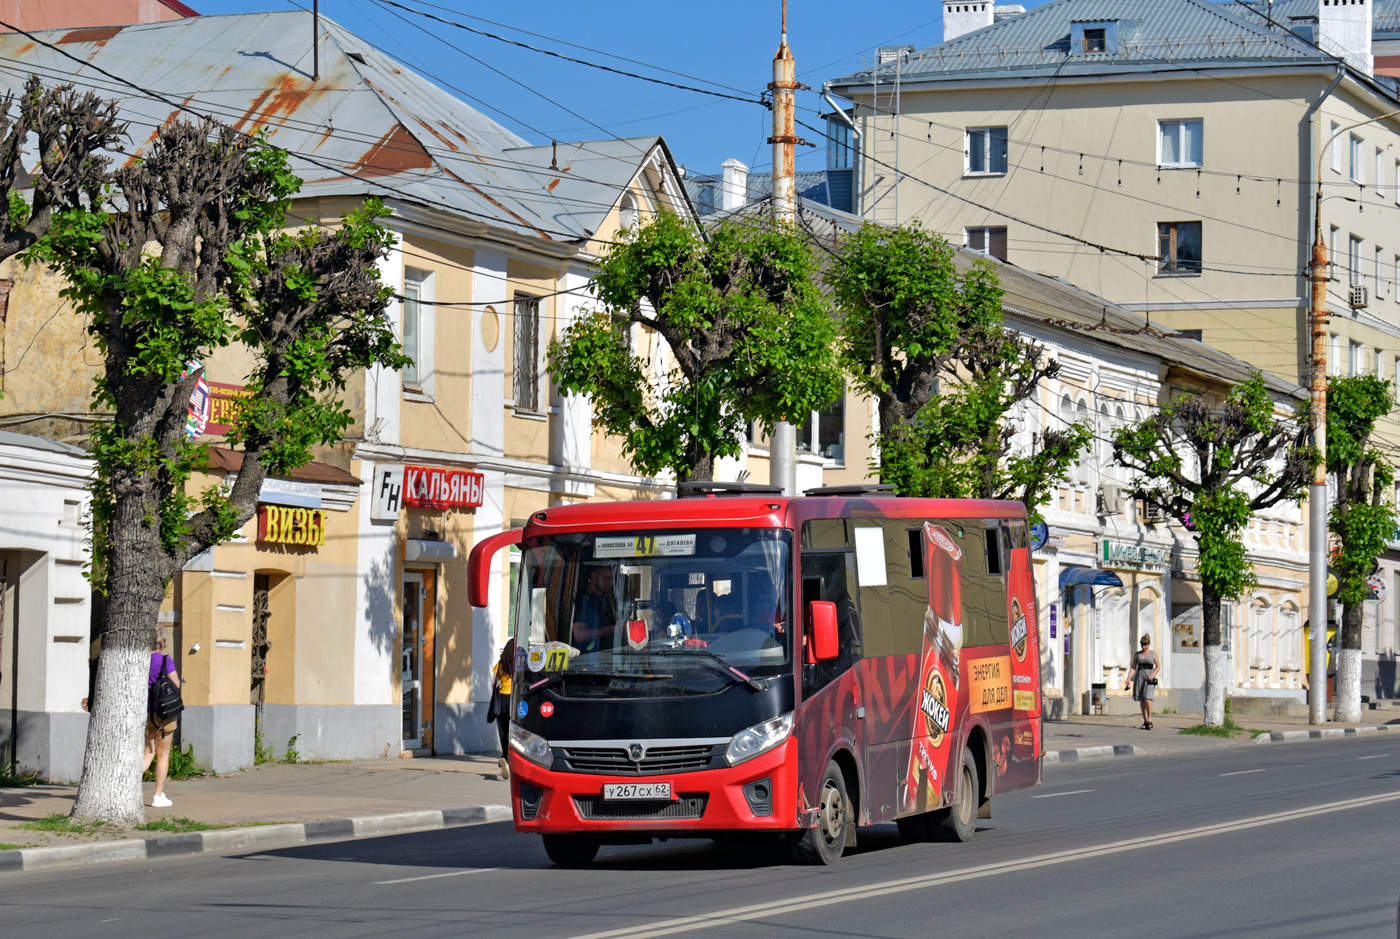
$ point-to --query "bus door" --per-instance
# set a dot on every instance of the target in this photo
(828, 688)
(1023, 758)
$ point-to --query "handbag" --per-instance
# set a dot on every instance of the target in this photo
(493, 710)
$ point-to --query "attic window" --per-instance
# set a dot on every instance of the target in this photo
(358, 57)
(1095, 37)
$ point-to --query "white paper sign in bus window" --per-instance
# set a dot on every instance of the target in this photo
(644, 546)
(870, 557)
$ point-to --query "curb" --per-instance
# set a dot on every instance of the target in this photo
(1092, 753)
(239, 839)
(1284, 736)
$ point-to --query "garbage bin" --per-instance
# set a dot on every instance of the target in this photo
(1098, 691)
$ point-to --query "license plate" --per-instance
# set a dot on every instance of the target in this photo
(625, 791)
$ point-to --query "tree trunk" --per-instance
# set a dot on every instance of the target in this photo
(1347, 706)
(110, 788)
(1215, 664)
(701, 466)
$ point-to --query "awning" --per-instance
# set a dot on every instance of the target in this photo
(1088, 575)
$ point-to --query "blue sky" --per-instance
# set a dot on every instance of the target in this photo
(730, 42)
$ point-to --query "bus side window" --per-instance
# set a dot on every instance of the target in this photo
(993, 540)
(916, 553)
(983, 586)
(829, 576)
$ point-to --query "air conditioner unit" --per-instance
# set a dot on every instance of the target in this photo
(1110, 499)
(1357, 296)
(1150, 513)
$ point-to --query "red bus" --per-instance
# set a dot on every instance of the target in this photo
(739, 661)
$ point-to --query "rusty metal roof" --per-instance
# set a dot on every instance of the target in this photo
(369, 126)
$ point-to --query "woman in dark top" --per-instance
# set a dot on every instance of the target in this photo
(1144, 682)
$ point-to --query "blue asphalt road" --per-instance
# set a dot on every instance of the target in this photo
(1284, 840)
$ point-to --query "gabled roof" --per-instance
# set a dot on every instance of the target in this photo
(368, 126)
(1153, 36)
(1385, 14)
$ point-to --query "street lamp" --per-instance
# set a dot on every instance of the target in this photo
(1317, 497)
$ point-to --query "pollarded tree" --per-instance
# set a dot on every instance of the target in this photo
(1362, 518)
(1218, 466)
(930, 346)
(189, 254)
(69, 131)
(743, 321)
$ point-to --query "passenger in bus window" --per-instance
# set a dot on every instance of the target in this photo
(595, 615)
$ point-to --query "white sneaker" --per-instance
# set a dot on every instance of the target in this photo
(504, 767)
(161, 801)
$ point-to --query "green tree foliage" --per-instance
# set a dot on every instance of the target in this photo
(747, 338)
(189, 254)
(1362, 518)
(928, 343)
(1216, 466)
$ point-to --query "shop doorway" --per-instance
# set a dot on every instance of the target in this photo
(416, 657)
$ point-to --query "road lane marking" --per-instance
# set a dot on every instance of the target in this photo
(809, 901)
(1055, 795)
(1374, 756)
(1242, 772)
(409, 880)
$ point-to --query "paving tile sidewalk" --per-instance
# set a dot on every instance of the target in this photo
(279, 792)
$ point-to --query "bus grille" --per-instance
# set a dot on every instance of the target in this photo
(686, 806)
(613, 760)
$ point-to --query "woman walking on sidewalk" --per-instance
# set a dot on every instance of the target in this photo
(503, 673)
(160, 733)
(1144, 685)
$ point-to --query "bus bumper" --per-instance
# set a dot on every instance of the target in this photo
(712, 800)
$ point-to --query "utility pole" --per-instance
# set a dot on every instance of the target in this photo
(782, 449)
(1317, 495)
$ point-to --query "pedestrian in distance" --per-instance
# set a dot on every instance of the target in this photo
(160, 728)
(1143, 682)
(503, 673)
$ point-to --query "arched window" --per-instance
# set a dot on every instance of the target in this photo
(1147, 625)
(627, 212)
(1083, 470)
(1290, 637)
(1261, 634)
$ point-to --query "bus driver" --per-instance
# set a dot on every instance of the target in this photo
(595, 615)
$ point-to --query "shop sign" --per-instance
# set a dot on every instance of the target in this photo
(291, 492)
(1127, 555)
(387, 497)
(440, 488)
(224, 401)
(294, 526)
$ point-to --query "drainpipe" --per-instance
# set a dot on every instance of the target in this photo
(856, 160)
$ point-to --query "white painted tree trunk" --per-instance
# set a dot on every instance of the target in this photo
(110, 789)
(1215, 684)
(1347, 708)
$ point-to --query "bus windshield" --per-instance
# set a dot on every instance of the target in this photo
(679, 609)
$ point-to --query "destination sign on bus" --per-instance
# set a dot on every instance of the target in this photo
(644, 546)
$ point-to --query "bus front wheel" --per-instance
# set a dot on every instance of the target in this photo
(825, 843)
(571, 850)
(960, 820)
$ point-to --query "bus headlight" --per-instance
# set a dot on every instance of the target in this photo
(531, 746)
(760, 738)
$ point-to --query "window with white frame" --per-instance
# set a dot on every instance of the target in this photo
(1180, 143)
(1356, 170)
(824, 431)
(1395, 279)
(1396, 383)
(1290, 635)
(1397, 182)
(416, 334)
(1084, 466)
(1332, 259)
(1179, 247)
(1334, 353)
(1354, 275)
(1379, 365)
(527, 353)
(986, 151)
(1261, 634)
(1356, 359)
(1378, 271)
(627, 212)
(988, 239)
(1336, 148)
(1380, 170)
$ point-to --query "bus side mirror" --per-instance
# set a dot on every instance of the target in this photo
(825, 643)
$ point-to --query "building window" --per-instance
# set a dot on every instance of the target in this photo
(824, 431)
(1378, 271)
(1397, 182)
(986, 151)
(1336, 148)
(627, 212)
(1380, 169)
(1356, 359)
(1179, 143)
(1179, 247)
(412, 316)
(1096, 40)
(1354, 275)
(1093, 37)
(839, 152)
(1380, 364)
(527, 351)
(1355, 169)
(1332, 259)
(1334, 353)
(1190, 334)
(988, 240)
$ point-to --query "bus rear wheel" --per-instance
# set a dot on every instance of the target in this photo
(825, 843)
(571, 850)
(960, 818)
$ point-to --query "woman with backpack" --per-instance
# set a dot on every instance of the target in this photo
(160, 726)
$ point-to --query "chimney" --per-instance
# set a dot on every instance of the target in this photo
(962, 17)
(735, 189)
(1344, 29)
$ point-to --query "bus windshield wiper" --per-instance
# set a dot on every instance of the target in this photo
(716, 661)
(592, 673)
